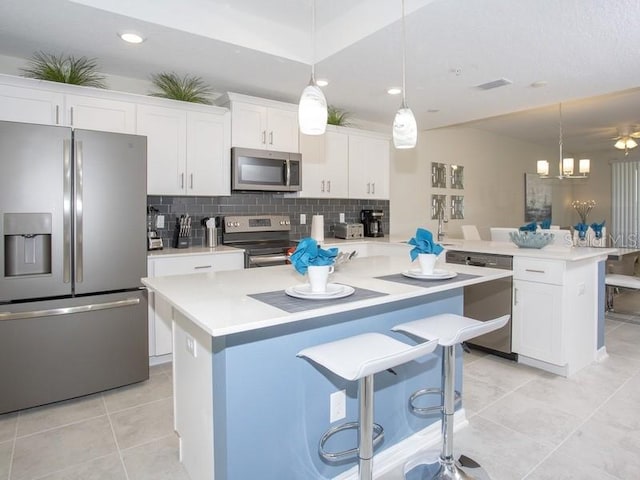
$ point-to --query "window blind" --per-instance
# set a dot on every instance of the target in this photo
(625, 218)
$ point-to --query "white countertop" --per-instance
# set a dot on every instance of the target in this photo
(218, 301)
(550, 252)
(176, 252)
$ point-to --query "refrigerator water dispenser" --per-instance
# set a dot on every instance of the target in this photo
(27, 244)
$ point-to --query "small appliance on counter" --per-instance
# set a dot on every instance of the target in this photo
(183, 232)
(348, 230)
(211, 230)
(372, 222)
(154, 242)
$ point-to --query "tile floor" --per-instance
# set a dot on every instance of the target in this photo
(524, 424)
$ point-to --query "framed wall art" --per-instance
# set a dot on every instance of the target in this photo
(537, 198)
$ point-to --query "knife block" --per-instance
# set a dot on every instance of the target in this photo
(181, 241)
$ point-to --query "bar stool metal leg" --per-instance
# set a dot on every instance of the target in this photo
(365, 432)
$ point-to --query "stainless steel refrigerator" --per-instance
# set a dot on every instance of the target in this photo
(73, 313)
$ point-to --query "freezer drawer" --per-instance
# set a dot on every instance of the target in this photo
(61, 349)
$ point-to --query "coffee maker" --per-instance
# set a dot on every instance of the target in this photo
(372, 221)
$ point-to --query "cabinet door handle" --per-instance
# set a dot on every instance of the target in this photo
(182, 180)
(533, 270)
(57, 114)
(201, 267)
(373, 188)
(71, 116)
(368, 188)
(328, 186)
(322, 186)
(271, 138)
(515, 296)
(191, 181)
(264, 137)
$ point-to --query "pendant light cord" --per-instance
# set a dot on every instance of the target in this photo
(313, 42)
(560, 142)
(404, 47)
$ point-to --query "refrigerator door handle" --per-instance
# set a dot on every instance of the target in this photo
(69, 310)
(78, 212)
(66, 212)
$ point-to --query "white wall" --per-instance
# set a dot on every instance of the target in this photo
(494, 168)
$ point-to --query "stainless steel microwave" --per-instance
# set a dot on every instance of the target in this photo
(264, 170)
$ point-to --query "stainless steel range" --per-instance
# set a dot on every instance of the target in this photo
(264, 238)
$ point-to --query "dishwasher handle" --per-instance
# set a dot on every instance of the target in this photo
(475, 263)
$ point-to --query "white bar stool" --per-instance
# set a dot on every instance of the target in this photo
(451, 330)
(359, 358)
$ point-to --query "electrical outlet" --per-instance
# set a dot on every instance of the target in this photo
(337, 406)
(342, 218)
(191, 346)
(160, 221)
(303, 219)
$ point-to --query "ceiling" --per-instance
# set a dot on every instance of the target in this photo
(580, 49)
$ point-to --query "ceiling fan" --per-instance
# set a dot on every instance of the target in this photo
(626, 141)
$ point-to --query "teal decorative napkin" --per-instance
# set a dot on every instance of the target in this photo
(309, 253)
(423, 243)
(597, 228)
(545, 224)
(529, 227)
(582, 230)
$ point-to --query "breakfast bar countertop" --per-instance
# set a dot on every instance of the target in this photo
(219, 302)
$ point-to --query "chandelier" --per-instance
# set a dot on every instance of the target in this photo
(566, 166)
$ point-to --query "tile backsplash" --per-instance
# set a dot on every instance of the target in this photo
(260, 203)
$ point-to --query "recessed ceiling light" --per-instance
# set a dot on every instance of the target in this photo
(394, 91)
(131, 37)
(321, 82)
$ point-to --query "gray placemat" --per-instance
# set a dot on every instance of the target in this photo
(281, 300)
(416, 282)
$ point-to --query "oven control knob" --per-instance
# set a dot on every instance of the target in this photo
(236, 224)
(229, 224)
(287, 222)
(281, 222)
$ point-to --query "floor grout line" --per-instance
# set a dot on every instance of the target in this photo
(115, 439)
(13, 447)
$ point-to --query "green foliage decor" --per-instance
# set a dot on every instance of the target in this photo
(187, 88)
(335, 116)
(64, 69)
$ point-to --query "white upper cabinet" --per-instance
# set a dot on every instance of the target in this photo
(166, 132)
(208, 154)
(103, 114)
(368, 167)
(262, 124)
(29, 105)
(47, 103)
(325, 164)
(187, 151)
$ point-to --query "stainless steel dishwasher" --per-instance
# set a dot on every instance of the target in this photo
(488, 300)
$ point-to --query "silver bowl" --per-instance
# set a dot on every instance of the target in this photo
(531, 239)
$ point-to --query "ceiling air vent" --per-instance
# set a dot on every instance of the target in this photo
(501, 82)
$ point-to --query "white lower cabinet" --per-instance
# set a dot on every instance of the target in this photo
(537, 321)
(160, 314)
(555, 313)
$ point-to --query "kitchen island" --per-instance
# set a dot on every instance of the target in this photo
(246, 407)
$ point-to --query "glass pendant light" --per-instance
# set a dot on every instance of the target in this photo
(405, 130)
(312, 108)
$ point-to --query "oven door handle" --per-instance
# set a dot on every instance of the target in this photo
(263, 260)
